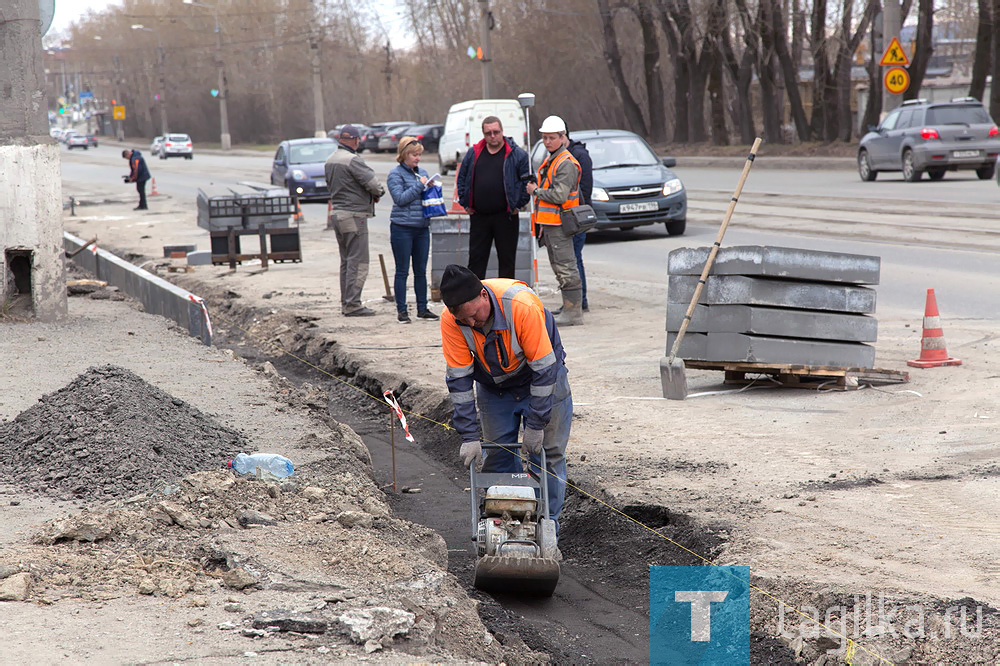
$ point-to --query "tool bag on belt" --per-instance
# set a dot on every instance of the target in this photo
(578, 219)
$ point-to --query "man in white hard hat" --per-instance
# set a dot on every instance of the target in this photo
(557, 190)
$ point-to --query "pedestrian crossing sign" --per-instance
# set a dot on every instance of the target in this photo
(894, 54)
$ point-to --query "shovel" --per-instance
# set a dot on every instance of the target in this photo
(672, 368)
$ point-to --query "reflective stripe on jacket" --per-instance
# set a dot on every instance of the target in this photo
(522, 353)
(547, 212)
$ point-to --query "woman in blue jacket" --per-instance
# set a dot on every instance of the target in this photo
(409, 230)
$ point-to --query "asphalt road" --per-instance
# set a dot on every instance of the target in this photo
(965, 277)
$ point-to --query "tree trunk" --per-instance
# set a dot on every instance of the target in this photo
(766, 72)
(742, 74)
(984, 47)
(613, 57)
(712, 55)
(924, 48)
(681, 81)
(776, 26)
(680, 12)
(842, 72)
(654, 83)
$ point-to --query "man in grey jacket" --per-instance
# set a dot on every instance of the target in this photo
(354, 190)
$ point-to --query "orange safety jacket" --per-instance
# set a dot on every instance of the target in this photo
(547, 212)
(521, 353)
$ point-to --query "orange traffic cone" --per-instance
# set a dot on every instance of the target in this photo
(932, 349)
(456, 208)
(298, 217)
(155, 192)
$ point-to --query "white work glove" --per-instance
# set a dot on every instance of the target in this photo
(532, 440)
(471, 451)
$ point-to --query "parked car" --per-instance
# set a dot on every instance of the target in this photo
(464, 128)
(177, 145)
(91, 140)
(74, 140)
(299, 166)
(390, 140)
(154, 148)
(632, 186)
(370, 140)
(934, 137)
(428, 135)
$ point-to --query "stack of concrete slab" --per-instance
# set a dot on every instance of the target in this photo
(775, 305)
(223, 206)
(450, 245)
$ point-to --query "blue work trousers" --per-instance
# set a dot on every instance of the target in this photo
(578, 242)
(501, 416)
(410, 244)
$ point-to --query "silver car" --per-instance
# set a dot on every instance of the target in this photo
(934, 137)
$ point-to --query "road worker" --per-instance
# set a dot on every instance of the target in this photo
(558, 189)
(497, 336)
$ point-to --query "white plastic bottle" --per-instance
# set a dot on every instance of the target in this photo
(279, 466)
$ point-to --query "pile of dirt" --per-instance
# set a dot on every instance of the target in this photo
(110, 434)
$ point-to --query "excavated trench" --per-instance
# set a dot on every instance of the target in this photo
(599, 613)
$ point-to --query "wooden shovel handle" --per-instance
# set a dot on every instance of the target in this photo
(714, 251)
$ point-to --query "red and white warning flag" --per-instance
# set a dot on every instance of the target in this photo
(204, 310)
(93, 248)
(394, 404)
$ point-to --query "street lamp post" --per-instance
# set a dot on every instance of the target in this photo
(161, 101)
(224, 137)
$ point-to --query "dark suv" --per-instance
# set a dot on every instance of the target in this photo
(934, 137)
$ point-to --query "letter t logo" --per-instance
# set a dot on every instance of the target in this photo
(701, 613)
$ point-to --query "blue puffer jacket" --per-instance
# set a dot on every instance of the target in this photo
(407, 191)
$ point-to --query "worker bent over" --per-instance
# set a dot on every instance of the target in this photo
(558, 190)
(497, 335)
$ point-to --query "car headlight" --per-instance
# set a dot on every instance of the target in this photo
(299, 174)
(672, 186)
(600, 194)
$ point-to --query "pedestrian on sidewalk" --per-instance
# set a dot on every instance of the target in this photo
(354, 191)
(558, 189)
(582, 155)
(409, 230)
(491, 188)
(498, 337)
(138, 174)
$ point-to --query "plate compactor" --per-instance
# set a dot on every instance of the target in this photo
(514, 536)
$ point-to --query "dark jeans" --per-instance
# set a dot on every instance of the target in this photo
(140, 186)
(410, 243)
(484, 230)
(578, 241)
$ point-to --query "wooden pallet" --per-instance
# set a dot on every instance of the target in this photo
(803, 376)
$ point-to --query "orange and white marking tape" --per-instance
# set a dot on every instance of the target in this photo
(394, 404)
(204, 310)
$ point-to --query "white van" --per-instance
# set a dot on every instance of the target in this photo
(464, 128)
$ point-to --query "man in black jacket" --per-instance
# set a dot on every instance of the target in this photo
(138, 174)
(491, 188)
(579, 151)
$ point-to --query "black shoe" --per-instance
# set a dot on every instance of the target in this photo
(426, 314)
(360, 312)
(557, 311)
(141, 208)
(586, 308)
(403, 317)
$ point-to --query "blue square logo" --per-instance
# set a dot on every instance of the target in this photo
(699, 615)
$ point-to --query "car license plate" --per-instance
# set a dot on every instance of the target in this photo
(641, 207)
(965, 153)
(320, 183)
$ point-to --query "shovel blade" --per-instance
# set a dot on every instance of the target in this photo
(673, 378)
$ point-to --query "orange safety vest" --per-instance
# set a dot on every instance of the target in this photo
(549, 213)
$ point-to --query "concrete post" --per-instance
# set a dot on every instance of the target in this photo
(32, 278)
(319, 126)
(485, 26)
(892, 23)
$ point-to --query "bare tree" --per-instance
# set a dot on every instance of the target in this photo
(924, 48)
(613, 58)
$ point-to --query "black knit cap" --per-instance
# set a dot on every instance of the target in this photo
(459, 285)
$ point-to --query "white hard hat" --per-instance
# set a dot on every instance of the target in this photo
(552, 125)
